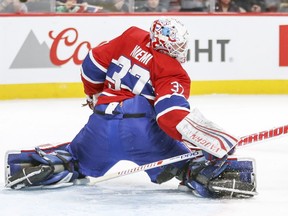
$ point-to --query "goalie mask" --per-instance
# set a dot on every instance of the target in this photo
(169, 36)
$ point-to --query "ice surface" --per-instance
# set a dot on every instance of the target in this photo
(28, 123)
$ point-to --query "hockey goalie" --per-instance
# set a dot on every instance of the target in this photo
(138, 91)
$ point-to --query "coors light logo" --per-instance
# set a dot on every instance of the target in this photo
(34, 54)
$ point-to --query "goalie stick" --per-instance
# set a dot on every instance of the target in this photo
(244, 141)
(263, 135)
(93, 181)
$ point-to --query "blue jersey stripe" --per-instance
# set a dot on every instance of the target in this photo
(172, 101)
(93, 71)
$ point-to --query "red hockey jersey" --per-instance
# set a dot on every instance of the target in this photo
(128, 66)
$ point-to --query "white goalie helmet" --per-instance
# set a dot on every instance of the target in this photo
(170, 36)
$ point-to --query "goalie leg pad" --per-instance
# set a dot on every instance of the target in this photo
(32, 168)
(236, 180)
(29, 176)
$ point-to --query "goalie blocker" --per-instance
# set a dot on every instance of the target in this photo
(197, 131)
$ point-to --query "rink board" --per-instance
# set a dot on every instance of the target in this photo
(42, 60)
